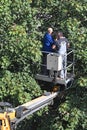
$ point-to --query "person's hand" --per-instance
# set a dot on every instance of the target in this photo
(68, 45)
(53, 46)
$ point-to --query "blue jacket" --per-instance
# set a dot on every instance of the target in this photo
(47, 43)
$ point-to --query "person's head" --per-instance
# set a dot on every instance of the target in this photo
(60, 34)
(50, 30)
(55, 35)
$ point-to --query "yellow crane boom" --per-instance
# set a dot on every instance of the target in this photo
(13, 116)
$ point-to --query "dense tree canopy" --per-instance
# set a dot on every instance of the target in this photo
(22, 26)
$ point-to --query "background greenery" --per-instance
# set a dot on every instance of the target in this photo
(22, 26)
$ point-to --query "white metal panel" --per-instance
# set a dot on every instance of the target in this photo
(54, 62)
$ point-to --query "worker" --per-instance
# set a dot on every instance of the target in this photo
(61, 48)
(47, 48)
(48, 41)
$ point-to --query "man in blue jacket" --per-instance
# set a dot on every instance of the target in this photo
(48, 41)
(47, 47)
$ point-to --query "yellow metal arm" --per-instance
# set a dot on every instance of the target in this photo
(12, 117)
(5, 120)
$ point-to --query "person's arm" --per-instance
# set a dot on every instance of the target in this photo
(50, 39)
(56, 45)
(68, 44)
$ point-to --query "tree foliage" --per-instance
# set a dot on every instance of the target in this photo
(70, 17)
(22, 26)
(19, 48)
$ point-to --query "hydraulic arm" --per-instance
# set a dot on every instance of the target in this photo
(11, 118)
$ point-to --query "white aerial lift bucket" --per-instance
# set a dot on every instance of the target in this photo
(54, 62)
